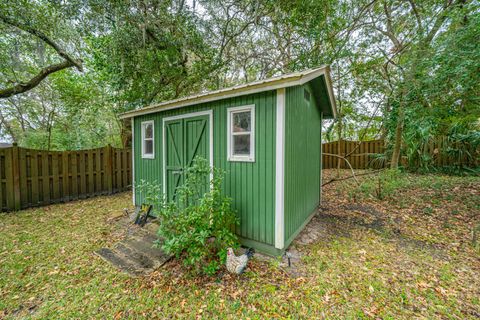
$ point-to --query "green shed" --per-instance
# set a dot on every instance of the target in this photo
(265, 134)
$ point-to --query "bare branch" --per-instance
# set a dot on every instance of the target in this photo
(351, 168)
(349, 177)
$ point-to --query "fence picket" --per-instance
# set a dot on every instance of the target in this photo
(23, 176)
(359, 159)
(65, 176)
(124, 169)
(2, 178)
(90, 173)
(45, 178)
(34, 177)
(55, 177)
(31, 177)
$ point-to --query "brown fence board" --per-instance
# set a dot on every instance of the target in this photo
(98, 172)
(361, 156)
(35, 177)
(124, 168)
(45, 178)
(24, 175)
(3, 203)
(9, 179)
(55, 176)
(356, 152)
(65, 176)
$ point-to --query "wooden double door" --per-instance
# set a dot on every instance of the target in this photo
(185, 139)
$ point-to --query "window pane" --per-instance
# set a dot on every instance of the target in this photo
(241, 144)
(241, 121)
(148, 131)
(148, 147)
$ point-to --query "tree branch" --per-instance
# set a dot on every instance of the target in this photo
(35, 81)
(45, 38)
(349, 177)
(417, 15)
(348, 162)
(436, 26)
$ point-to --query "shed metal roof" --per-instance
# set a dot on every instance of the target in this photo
(283, 81)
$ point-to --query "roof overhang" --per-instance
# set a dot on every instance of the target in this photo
(284, 81)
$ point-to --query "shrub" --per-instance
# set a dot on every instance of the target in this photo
(150, 193)
(385, 185)
(198, 225)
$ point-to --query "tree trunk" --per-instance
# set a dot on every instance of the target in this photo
(398, 139)
(339, 147)
(340, 126)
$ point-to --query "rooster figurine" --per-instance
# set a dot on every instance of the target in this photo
(238, 264)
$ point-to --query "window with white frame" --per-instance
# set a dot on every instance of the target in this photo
(241, 133)
(148, 139)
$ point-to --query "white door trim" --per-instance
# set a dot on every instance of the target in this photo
(208, 113)
(280, 171)
(133, 158)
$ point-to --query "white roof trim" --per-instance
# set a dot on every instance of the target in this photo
(283, 81)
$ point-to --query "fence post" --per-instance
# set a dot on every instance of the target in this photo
(109, 168)
(16, 177)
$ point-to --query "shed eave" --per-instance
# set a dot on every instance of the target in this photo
(285, 81)
(331, 96)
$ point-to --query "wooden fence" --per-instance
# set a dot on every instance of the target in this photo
(442, 153)
(30, 178)
(359, 154)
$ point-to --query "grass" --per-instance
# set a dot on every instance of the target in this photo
(418, 262)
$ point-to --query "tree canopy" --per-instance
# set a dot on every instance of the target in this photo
(406, 71)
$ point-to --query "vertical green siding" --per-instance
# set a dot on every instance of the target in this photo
(251, 185)
(302, 159)
(147, 169)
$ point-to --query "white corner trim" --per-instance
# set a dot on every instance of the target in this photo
(321, 158)
(280, 171)
(208, 113)
(133, 160)
(237, 158)
(148, 156)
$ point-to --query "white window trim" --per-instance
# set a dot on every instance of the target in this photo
(142, 128)
(230, 155)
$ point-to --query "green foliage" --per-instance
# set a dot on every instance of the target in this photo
(150, 193)
(377, 160)
(134, 53)
(150, 53)
(418, 57)
(442, 97)
(385, 185)
(198, 226)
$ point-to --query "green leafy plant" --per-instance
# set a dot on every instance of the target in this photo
(385, 185)
(377, 160)
(197, 226)
(150, 193)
